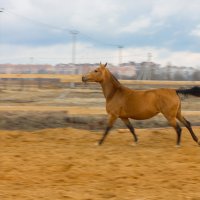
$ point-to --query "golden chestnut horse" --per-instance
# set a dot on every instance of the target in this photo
(125, 103)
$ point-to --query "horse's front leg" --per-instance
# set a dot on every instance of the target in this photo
(111, 121)
(130, 127)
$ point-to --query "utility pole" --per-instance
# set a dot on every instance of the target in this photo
(31, 60)
(74, 34)
(149, 55)
(120, 54)
(120, 60)
(1, 11)
(145, 72)
(148, 67)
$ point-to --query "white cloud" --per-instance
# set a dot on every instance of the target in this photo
(137, 25)
(165, 9)
(178, 58)
(87, 53)
(104, 20)
(183, 58)
(162, 56)
(162, 9)
(196, 31)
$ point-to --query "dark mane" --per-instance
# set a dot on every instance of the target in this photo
(116, 82)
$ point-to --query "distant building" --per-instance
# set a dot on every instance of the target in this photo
(131, 70)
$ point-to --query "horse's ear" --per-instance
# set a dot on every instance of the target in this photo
(103, 66)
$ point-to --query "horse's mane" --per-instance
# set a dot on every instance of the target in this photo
(114, 79)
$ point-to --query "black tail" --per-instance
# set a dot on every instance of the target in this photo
(195, 91)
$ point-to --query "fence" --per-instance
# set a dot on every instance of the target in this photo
(77, 79)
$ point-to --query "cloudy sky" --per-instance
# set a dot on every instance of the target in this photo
(40, 31)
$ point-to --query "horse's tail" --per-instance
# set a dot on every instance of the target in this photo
(195, 91)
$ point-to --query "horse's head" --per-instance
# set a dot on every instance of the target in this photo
(95, 76)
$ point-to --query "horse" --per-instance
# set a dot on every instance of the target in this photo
(124, 103)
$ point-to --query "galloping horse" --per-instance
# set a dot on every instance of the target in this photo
(125, 103)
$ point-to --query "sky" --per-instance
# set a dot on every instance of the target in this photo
(165, 32)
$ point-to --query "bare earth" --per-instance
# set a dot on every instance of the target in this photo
(42, 158)
(65, 163)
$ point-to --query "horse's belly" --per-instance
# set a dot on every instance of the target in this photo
(141, 114)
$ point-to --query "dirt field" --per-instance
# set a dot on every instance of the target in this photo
(66, 164)
(43, 157)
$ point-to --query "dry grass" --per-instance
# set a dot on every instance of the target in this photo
(77, 79)
(75, 110)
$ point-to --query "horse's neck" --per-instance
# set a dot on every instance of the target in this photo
(109, 86)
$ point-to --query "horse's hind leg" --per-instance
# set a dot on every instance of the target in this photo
(188, 126)
(175, 125)
(130, 127)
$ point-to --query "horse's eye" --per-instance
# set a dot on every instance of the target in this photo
(95, 71)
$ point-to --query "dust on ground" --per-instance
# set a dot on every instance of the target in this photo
(65, 163)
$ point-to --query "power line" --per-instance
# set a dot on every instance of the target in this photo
(98, 41)
(74, 33)
(59, 28)
(80, 58)
(36, 21)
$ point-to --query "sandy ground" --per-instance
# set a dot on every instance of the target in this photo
(66, 164)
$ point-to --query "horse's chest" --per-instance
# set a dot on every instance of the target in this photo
(113, 108)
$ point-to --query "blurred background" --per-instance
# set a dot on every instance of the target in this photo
(46, 46)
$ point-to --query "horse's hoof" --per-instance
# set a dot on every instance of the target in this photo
(97, 144)
(134, 144)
